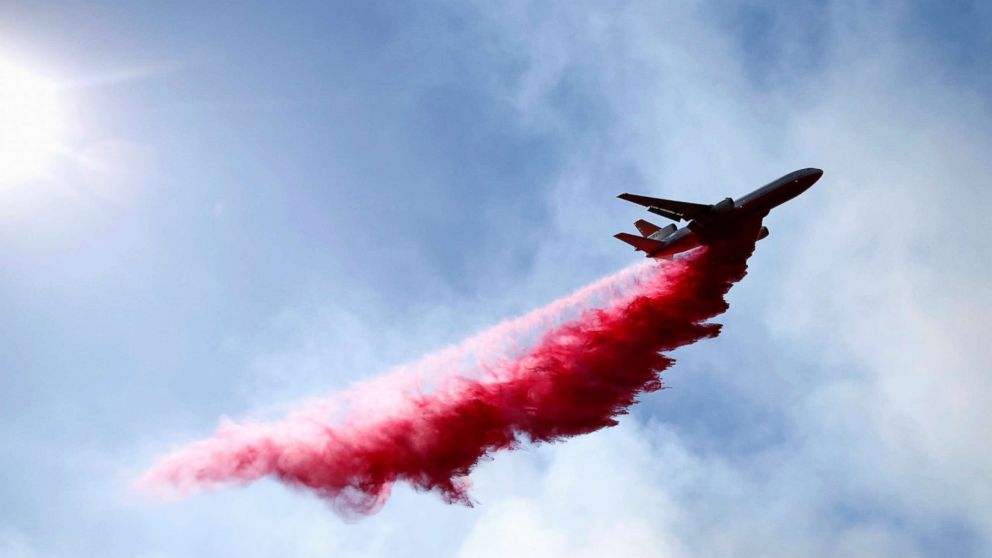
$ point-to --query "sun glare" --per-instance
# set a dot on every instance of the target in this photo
(29, 123)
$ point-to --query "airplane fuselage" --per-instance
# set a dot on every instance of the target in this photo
(777, 192)
(714, 221)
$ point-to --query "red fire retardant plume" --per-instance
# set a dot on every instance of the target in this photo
(577, 377)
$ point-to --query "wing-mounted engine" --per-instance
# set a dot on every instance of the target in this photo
(702, 223)
(722, 206)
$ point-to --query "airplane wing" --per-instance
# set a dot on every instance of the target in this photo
(640, 243)
(669, 209)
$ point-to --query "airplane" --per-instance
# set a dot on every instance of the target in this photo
(708, 223)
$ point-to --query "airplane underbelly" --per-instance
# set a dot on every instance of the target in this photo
(773, 197)
(685, 242)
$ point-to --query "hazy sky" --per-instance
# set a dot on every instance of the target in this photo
(256, 203)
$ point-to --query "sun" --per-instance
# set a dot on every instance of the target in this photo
(30, 124)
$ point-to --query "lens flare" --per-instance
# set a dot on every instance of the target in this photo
(30, 123)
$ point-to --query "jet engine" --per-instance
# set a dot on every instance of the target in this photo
(664, 232)
(723, 206)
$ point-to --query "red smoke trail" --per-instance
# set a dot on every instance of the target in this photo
(578, 378)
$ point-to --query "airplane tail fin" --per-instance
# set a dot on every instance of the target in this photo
(646, 228)
(640, 243)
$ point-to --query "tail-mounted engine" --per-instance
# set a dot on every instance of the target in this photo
(664, 232)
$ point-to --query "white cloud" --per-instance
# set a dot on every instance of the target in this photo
(600, 495)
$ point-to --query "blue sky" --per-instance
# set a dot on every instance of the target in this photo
(256, 204)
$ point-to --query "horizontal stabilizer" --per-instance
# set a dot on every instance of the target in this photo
(669, 209)
(640, 243)
(646, 228)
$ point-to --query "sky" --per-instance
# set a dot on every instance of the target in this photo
(254, 204)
